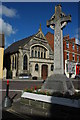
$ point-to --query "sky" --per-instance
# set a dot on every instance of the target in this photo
(22, 19)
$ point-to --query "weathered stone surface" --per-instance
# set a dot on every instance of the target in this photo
(36, 104)
(58, 83)
(57, 22)
(52, 111)
(25, 101)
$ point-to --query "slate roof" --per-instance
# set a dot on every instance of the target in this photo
(15, 46)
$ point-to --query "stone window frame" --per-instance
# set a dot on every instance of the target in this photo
(25, 67)
(36, 67)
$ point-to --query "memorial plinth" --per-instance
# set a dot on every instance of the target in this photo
(58, 82)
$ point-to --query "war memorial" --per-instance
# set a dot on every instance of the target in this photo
(58, 82)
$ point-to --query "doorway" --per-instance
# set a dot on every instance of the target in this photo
(44, 71)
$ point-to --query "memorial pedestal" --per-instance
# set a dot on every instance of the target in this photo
(58, 83)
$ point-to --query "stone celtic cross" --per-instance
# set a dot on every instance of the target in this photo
(57, 22)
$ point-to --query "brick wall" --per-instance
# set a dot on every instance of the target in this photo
(71, 41)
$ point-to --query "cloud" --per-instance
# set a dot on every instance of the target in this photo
(77, 33)
(7, 29)
(78, 41)
(8, 12)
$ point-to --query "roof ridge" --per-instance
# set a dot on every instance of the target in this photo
(17, 44)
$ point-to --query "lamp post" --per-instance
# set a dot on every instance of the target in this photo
(7, 100)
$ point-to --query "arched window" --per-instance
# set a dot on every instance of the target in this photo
(36, 67)
(38, 54)
(41, 54)
(52, 67)
(13, 63)
(35, 53)
(25, 62)
(32, 53)
(44, 54)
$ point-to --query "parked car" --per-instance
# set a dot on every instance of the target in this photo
(25, 76)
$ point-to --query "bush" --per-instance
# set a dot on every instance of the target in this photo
(36, 90)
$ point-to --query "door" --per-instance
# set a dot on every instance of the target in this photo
(44, 72)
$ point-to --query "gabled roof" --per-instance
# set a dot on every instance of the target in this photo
(15, 46)
(40, 34)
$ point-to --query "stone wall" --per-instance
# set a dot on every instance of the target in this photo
(40, 109)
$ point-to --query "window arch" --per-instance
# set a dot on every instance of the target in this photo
(13, 63)
(36, 67)
(32, 53)
(41, 54)
(44, 54)
(37, 49)
(25, 62)
(35, 53)
(52, 67)
(38, 54)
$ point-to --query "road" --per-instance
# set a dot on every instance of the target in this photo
(16, 87)
(20, 85)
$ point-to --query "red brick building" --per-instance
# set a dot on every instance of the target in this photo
(71, 54)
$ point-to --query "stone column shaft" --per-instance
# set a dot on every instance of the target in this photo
(58, 50)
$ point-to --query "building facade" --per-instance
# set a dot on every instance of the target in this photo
(30, 56)
(71, 51)
(1, 54)
(34, 56)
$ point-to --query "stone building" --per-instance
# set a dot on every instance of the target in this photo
(71, 53)
(30, 56)
(1, 54)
